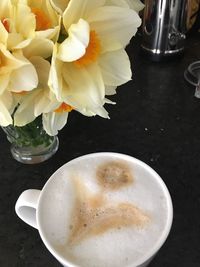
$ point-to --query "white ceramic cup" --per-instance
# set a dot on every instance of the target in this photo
(43, 209)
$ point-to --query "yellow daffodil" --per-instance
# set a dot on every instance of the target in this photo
(81, 88)
(39, 21)
(47, 20)
(62, 55)
(42, 101)
(16, 31)
(16, 72)
(92, 59)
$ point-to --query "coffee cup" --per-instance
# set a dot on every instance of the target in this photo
(102, 209)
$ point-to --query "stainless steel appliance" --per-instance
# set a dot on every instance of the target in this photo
(164, 27)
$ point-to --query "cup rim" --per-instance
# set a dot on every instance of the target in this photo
(155, 248)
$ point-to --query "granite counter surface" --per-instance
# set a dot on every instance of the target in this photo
(157, 120)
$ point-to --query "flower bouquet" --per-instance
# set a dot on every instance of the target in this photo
(58, 56)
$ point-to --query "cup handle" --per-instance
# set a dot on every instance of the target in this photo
(26, 206)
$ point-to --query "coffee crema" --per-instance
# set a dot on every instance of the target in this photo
(106, 212)
(114, 175)
(94, 214)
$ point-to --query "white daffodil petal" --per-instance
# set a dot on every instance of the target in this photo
(41, 104)
(27, 25)
(5, 117)
(50, 33)
(88, 81)
(115, 67)
(5, 7)
(101, 111)
(3, 35)
(74, 46)
(114, 23)
(24, 78)
(59, 5)
(44, 103)
(55, 80)
(16, 41)
(79, 9)
(6, 107)
(48, 7)
(40, 101)
(108, 101)
(122, 3)
(86, 86)
(110, 90)
(11, 62)
(39, 47)
(136, 5)
(42, 67)
(25, 112)
(5, 79)
(7, 98)
(53, 122)
(9, 101)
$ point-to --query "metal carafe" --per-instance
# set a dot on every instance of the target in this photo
(164, 28)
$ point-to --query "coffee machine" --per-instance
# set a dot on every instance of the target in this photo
(164, 28)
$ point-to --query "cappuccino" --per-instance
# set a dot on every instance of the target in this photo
(104, 210)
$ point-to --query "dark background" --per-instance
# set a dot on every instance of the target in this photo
(157, 120)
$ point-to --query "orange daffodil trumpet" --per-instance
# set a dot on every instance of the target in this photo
(62, 55)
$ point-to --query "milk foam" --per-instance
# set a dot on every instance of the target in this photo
(117, 246)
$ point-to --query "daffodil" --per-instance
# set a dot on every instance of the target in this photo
(12, 25)
(91, 61)
(16, 72)
(62, 55)
(42, 101)
(21, 21)
(46, 18)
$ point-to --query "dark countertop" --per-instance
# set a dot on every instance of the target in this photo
(156, 120)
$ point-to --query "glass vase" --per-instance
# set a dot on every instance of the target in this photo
(30, 144)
